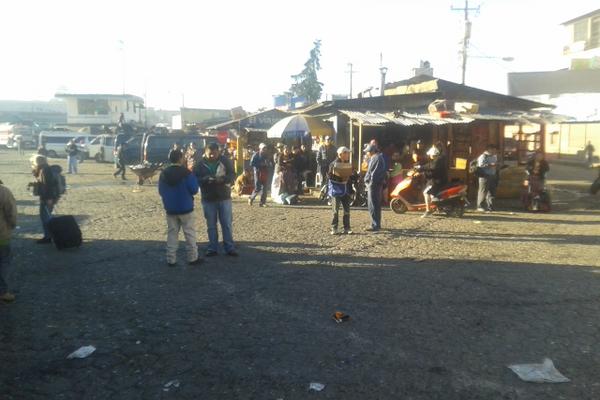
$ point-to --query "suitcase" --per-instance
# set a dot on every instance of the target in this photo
(65, 232)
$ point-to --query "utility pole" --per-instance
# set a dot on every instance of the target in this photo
(467, 37)
(383, 70)
(351, 72)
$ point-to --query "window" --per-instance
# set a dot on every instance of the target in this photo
(92, 107)
(95, 141)
(580, 30)
(595, 34)
(110, 141)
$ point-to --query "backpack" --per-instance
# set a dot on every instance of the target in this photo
(60, 183)
(474, 169)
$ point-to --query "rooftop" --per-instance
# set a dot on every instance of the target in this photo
(590, 14)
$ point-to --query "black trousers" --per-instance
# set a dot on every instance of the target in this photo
(120, 170)
(336, 202)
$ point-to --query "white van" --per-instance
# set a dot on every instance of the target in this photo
(101, 148)
(56, 143)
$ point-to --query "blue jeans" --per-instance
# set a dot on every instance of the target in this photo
(45, 215)
(223, 211)
(73, 161)
(4, 264)
(259, 187)
(374, 194)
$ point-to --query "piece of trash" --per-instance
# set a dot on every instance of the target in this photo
(138, 342)
(339, 316)
(513, 213)
(317, 387)
(82, 352)
(477, 222)
(539, 373)
(17, 227)
(175, 383)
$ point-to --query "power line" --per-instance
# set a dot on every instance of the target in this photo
(467, 36)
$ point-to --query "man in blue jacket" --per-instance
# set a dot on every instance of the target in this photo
(216, 175)
(260, 164)
(374, 180)
(177, 187)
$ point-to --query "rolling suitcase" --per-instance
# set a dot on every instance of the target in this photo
(65, 232)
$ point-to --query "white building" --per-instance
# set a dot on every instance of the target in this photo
(102, 109)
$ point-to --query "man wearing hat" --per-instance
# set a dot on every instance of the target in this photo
(325, 156)
(260, 166)
(374, 180)
(216, 175)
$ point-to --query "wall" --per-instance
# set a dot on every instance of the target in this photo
(568, 140)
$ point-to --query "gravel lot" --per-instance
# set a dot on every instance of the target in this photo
(438, 307)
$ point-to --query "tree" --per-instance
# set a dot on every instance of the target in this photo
(306, 84)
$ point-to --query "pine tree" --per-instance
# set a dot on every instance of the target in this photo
(306, 83)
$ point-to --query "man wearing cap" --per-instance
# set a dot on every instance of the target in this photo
(374, 180)
(325, 156)
(215, 175)
(260, 166)
(340, 189)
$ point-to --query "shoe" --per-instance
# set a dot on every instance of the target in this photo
(123, 178)
(171, 264)
(44, 241)
(197, 261)
(427, 214)
(372, 229)
(7, 297)
(480, 209)
(334, 231)
(262, 205)
(348, 232)
(211, 253)
(114, 176)
(232, 253)
(250, 201)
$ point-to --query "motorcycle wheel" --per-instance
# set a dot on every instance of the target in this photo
(397, 206)
(456, 209)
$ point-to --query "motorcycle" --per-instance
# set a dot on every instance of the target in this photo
(408, 196)
(358, 197)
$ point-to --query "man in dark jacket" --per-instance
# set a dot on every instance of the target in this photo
(46, 187)
(72, 156)
(177, 187)
(375, 180)
(8, 222)
(120, 160)
(325, 156)
(215, 174)
(436, 172)
(260, 163)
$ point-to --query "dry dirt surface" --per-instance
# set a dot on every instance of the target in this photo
(439, 307)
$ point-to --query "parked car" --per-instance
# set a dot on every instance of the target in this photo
(56, 143)
(101, 148)
(156, 147)
(132, 155)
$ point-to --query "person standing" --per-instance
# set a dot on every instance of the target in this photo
(8, 222)
(177, 187)
(20, 149)
(325, 156)
(589, 153)
(374, 180)
(340, 189)
(46, 187)
(488, 178)
(260, 166)
(120, 161)
(72, 160)
(215, 174)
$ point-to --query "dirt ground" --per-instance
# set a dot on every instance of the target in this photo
(438, 307)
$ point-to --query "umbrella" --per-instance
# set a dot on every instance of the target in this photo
(302, 124)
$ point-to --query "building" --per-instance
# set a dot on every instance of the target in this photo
(199, 118)
(92, 110)
(461, 119)
(40, 113)
(574, 90)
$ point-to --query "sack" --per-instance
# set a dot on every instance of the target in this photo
(65, 232)
(337, 189)
(60, 183)
(475, 170)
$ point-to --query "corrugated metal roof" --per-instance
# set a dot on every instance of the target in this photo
(402, 119)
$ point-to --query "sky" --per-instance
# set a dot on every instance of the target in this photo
(228, 53)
